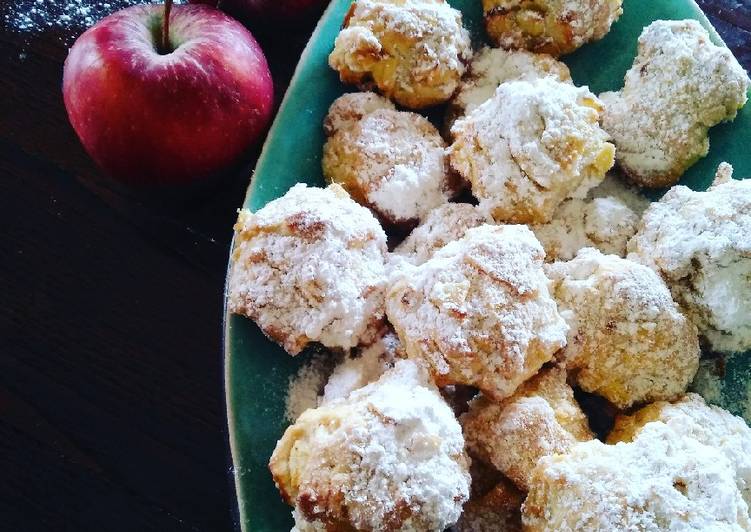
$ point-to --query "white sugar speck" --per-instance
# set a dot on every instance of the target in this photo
(68, 18)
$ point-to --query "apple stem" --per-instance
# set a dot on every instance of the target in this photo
(166, 46)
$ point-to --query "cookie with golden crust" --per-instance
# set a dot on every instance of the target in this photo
(540, 419)
(700, 243)
(530, 147)
(479, 312)
(391, 161)
(444, 224)
(496, 510)
(555, 27)
(691, 417)
(680, 85)
(492, 66)
(660, 481)
(388, 457)
(628, 340)
(348, 109)
(412, 51)
(310, 267)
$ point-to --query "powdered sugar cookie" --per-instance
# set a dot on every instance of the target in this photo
(310, 267)
(552, 26)
(680, 85)
(388, 457)
(479, 311)
(541, 418)
(628, 342)
(412, 51)
(660, 481)
(444, 224)
(391, 161)
(531, 146)
(700, 243)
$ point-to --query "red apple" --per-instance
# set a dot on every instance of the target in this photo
(155, 115)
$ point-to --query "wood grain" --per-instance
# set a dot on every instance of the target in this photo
(111, 395)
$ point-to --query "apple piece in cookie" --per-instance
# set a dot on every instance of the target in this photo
(167, 100)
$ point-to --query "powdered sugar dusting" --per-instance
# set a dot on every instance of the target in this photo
(390, 457)
(700, 242)
(660, 481)
(67, 17)
(479, 311)
(680, 85)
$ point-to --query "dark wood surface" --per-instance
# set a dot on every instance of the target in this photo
(112, 409)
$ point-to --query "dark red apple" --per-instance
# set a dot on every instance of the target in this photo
(151, 112)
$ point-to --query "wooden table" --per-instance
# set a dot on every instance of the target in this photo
(111, 394)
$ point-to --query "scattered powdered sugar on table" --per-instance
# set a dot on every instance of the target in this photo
(306, 386)
(69, 17)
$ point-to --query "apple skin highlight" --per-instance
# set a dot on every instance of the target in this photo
(167, 119)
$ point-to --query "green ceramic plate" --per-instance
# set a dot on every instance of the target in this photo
(257, 371)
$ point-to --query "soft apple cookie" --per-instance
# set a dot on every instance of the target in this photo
(412, 51)
(348, 109)
(540, 419)
(700, 243)
(310, 267)
(660, 481)
(551, 26)
(627, 342)
(531, 146)
(680, 85)
(479, 312)
(606, 219)
(446, 223)
(691, 417)
(393, 162)
(495, 510)
(492, 66)
(364, 366)
(388, 457)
